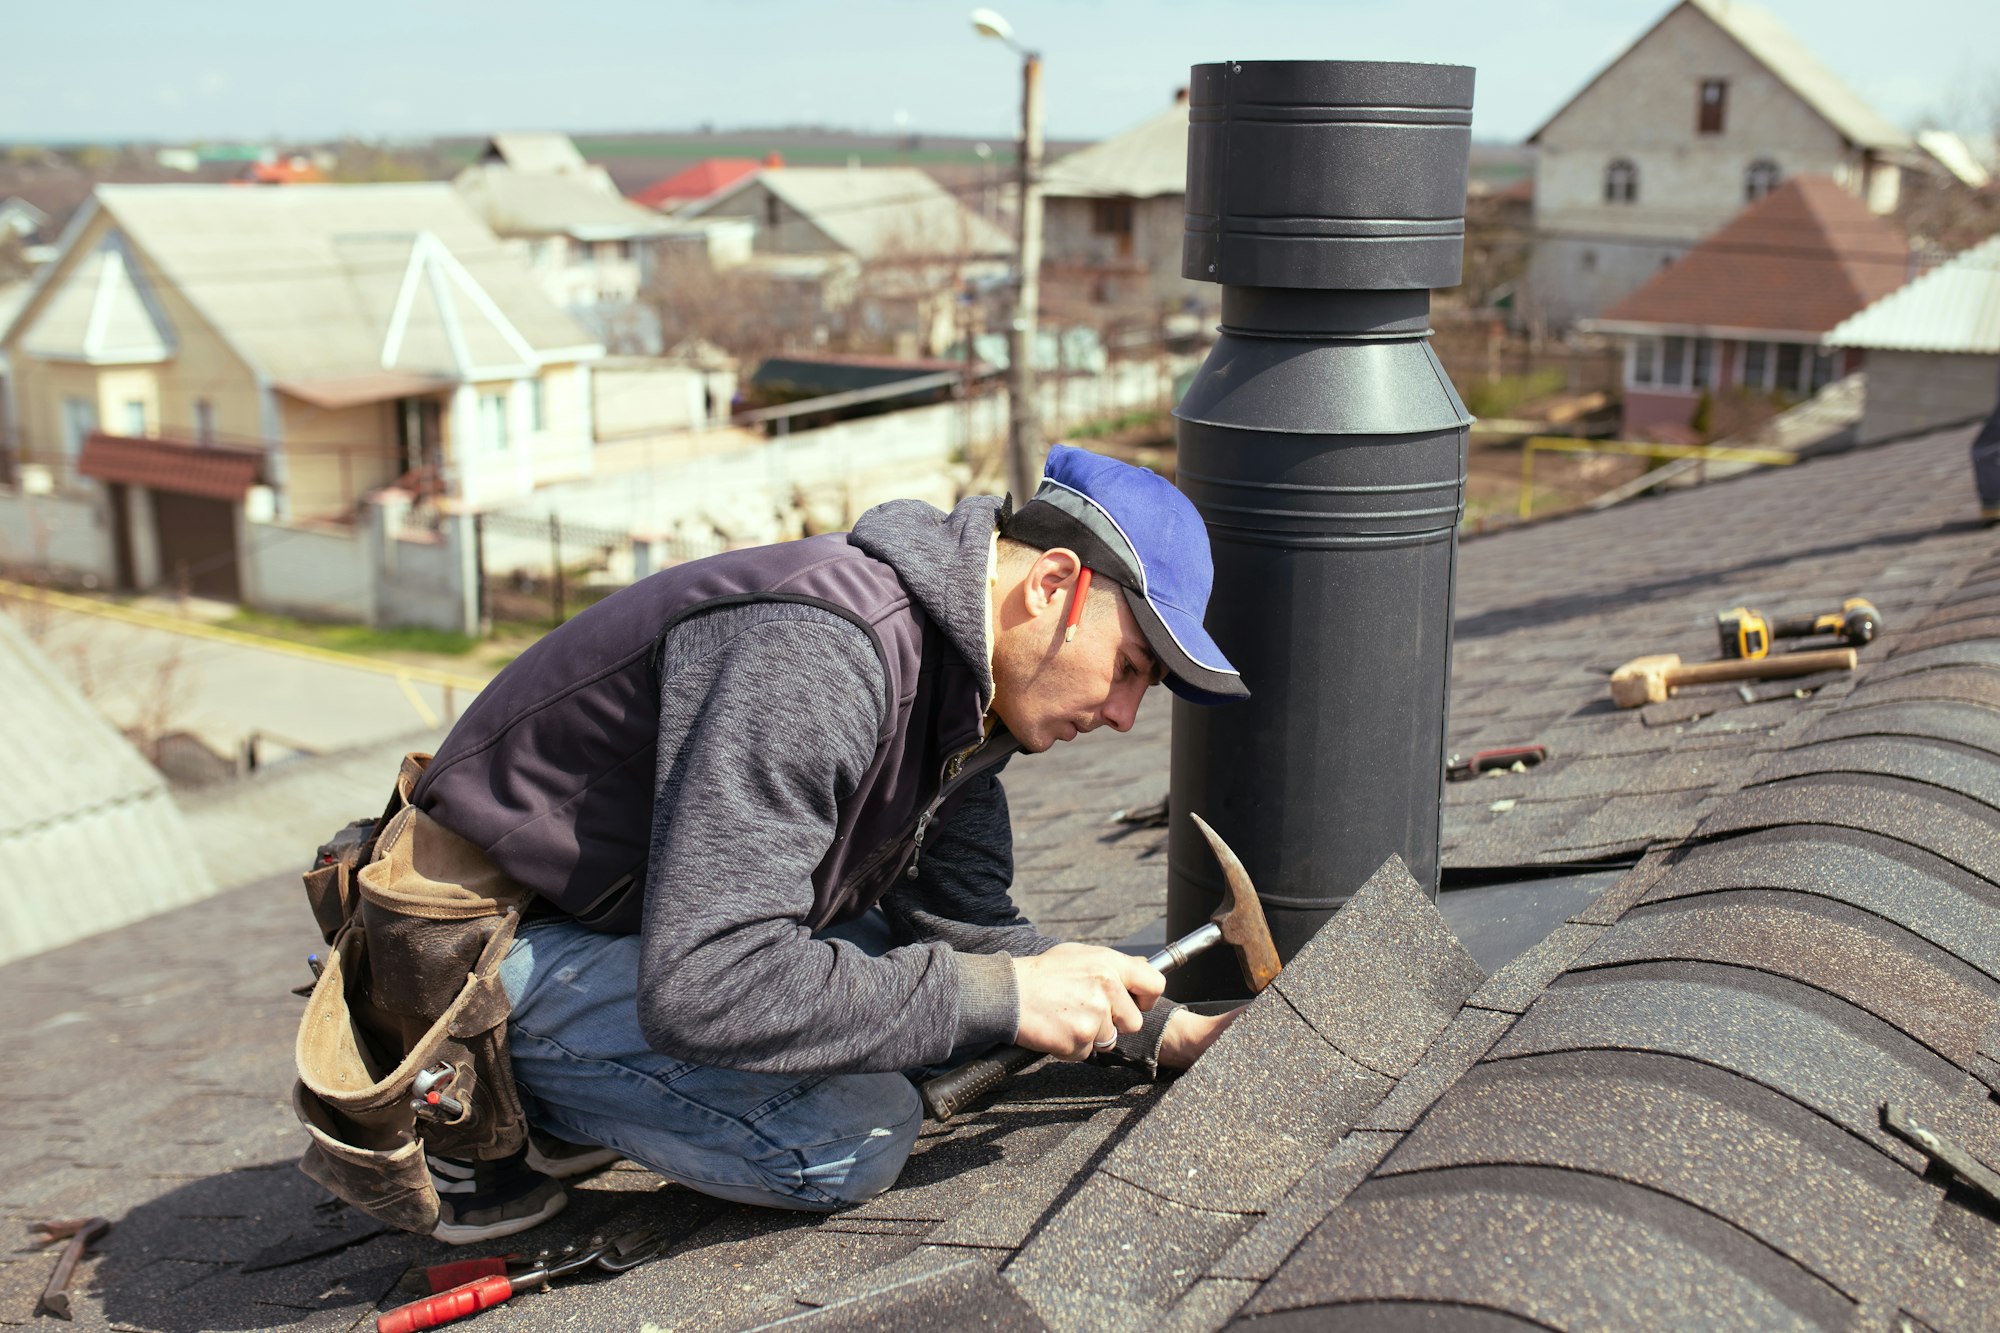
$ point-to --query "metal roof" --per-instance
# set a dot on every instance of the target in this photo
(89, 838)
(1147, 160)
(1953, 308)
(876, 212)
(528, 203)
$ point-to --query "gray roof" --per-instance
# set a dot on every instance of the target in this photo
(309, 281)
(876, 213)
(1666, 1113)
(526, 203)
(544, 152)
(1147, 160)
(86, 824)
(1794, 65)
(1953, 308)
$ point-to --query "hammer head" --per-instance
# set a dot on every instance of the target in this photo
(1643, 680)
(1241, 916)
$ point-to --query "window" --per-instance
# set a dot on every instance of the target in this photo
(135, 418)
(1709, 107)
(771, 211)
(538, 408)
(1111, 217)
(1787, 378)
(1621, 182)
(584, 252)
(79, 422)
(1823, 363)
(1644, 352)
(1704, 363)
(1759, 180)
(1756, 365)
(204, 421)
(493, 420)
(628, 249)
(1673, 361)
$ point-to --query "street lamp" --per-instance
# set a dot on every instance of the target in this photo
(1023, 449)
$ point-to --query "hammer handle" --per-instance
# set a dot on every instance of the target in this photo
(1763, 668)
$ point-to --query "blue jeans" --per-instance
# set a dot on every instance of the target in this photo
(586, 1074)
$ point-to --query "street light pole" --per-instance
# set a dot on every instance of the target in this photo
(1024, 446)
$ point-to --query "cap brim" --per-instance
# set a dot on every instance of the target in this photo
(1178, 643)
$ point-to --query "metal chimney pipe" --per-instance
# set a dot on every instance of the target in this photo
(1325, 447)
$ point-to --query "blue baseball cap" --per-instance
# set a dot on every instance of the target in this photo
(1131, 525)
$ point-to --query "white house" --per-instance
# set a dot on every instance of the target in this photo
(1706, 112)
(1933, 348)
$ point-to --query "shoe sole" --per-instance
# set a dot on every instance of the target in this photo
(471, 1233)
(568, 1168)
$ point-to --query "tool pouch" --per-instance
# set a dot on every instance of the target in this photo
(411, 984)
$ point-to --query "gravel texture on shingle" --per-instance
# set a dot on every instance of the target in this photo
(968, 1294)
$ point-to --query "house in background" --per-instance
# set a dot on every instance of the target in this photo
(200, 353)
(29, 228)
(1933, 348)
(672, 193)
(1749, 308)
(1113, 219)
(1711, 109)
(588, 245)
(881, 252)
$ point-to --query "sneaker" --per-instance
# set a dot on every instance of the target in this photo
(480, 1201)
(559, 1159)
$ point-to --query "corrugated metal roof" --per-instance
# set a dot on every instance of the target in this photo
(1149, 159)
(333, 259)
(1953, 308)
(878, 212)
(163, 465)
(89, 838)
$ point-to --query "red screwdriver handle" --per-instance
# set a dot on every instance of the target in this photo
(443, 1277)
(431, 1311)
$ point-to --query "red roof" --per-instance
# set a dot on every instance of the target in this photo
(697, 182)
(165, 465)
(1801, 259)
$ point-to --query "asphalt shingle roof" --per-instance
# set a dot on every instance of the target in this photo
(1668, 1112)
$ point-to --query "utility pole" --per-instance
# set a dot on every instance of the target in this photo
(1024, 447)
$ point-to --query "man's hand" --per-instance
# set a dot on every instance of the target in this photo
(1188, 1034)
(1076, 996)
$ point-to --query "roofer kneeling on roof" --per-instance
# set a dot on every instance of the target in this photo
(702, 873)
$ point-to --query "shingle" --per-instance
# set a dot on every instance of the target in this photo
(1515, 987)
(1957, 611)
(1392, 1317)
(1811, 1046)
(1565, 1249)
(1908, 885)
(1456, 1050)
(1722, 1143)
(1952, 685)
(1958, 643)
(1384, 976)
(1116, 1256)
(1007, 1210)
(1207, 1306)
(1955, 828)
(1960, 723)
(1318, 1192)
(1614, 902)
(968, 1294)
(1968, 772)
(1869, 962)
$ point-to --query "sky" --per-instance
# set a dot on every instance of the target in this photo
(276, 69)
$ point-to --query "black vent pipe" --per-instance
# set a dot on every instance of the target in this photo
(1324, 445)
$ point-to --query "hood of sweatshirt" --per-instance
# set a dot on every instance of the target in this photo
(942, 559)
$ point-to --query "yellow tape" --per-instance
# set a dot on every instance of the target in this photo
(216, 634)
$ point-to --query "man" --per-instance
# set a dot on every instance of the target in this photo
(758, 799)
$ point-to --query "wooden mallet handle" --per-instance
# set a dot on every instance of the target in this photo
(1647, 680)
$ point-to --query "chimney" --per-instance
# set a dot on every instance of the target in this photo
(774, 160)
(1325, 447)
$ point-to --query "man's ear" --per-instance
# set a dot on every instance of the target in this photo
(1047, 577)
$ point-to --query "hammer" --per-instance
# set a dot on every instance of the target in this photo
(1238, 921)
(1649, 680)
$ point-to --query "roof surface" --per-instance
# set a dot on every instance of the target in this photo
(1794, 65)
(543, 152)
(1799, 260)
(878, 213)
(184, 469)
(84, 840)
(1953, 308)
(1148, 159)
(696, 182)
(1657, 1116)
(336, 259)
(527, 203)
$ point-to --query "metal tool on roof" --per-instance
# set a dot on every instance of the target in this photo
(1651, 680)
(1748, 633)
(1459, 768)
(1238, 922)
(1945, 1152)
(79, 1232)
(616, 1255)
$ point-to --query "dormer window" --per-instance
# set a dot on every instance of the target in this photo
(1621, 182)
(1709, 109)
(1759, 180)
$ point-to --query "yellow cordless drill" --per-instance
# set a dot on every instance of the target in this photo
(1748, 633)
